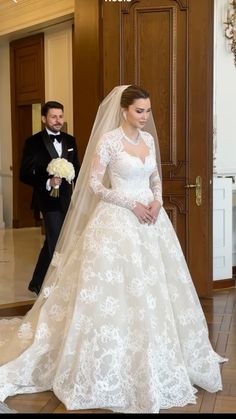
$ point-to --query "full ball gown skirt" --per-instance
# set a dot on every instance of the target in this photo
(118, 326)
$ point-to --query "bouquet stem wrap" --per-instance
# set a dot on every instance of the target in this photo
(55, 191)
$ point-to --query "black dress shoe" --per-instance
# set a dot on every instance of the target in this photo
(34, 288)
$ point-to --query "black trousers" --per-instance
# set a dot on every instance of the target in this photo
(53, 221)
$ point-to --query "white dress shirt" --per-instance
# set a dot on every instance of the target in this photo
(58, 148)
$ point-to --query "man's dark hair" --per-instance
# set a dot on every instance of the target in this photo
(51, 105)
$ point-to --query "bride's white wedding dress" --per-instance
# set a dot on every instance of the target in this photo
(118, 325)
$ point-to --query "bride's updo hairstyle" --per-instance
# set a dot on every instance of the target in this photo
(130, 94)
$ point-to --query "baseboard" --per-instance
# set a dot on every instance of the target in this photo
(19, 308)
(223, 283)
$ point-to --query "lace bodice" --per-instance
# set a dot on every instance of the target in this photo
(131, 179)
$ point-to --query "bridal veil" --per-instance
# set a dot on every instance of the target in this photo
(83, 202)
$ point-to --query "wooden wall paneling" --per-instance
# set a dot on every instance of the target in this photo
(112, 55)
(200, 121)
(87, 81)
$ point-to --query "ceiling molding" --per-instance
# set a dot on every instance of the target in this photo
(28, 13)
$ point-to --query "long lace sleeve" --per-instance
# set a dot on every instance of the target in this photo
(156, 187)
(99, 165)
(155, 181)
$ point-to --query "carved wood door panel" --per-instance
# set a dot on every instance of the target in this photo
(166, 46)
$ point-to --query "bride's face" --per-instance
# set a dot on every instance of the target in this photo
(138, 113)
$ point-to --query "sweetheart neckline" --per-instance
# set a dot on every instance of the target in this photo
(136, 157)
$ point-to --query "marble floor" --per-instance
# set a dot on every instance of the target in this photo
(19, 250)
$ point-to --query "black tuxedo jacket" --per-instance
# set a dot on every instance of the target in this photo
(37, 153)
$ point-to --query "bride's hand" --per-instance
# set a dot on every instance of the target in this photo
(143, 213)
(154, 208)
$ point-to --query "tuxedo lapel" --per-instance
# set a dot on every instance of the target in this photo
(64, 147)
(49, 146)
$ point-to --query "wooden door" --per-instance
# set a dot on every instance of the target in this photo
(23, 193)
(27, 88)
(166, 46)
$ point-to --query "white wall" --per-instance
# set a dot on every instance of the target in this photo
(224, 111)
(224, 96)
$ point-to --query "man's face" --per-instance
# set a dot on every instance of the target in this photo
(54, 119)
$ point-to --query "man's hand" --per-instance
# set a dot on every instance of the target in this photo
(55, 181)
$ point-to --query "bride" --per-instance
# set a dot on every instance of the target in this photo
(118, 323)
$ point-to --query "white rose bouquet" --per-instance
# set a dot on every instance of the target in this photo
(60, 168)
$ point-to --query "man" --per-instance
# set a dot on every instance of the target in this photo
(38, 151)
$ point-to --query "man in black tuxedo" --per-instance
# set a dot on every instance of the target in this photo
(38, 151)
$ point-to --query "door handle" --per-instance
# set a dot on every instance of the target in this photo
(198, 187)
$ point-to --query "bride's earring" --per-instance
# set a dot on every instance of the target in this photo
(124, 116)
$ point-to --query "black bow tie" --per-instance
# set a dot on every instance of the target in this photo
(55, 137)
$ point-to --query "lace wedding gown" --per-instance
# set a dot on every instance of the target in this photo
(118, 325)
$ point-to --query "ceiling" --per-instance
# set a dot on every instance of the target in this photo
(30, 16)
